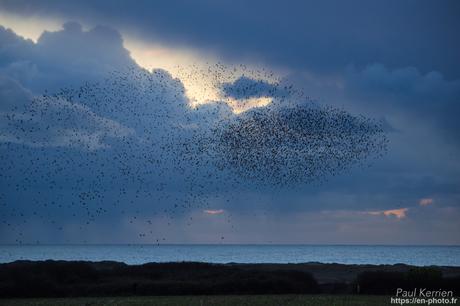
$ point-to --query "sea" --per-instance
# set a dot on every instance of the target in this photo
(226, 253)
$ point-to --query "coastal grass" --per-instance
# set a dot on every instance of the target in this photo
(216, 300)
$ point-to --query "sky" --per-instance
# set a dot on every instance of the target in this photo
(98, 97)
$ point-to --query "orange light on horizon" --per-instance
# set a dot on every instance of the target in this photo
(399, 213)
(213, 211)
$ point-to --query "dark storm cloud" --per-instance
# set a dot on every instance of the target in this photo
(427, 97)
(323, 38)
(316, 35)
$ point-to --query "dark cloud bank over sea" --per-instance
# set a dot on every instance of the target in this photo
(83, 161)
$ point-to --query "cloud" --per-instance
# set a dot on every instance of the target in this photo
(425, 201)
(104, 132)
(74, 57)
(12, 94)
(37, 122)
(213, 211)
(62, 58)
(292, 227)
(124, 157)
(13, 48)
(399, 213)
(322, 37)
(245, 88)
(429, 98)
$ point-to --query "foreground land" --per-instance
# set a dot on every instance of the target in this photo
(67, 279)
(265, 300)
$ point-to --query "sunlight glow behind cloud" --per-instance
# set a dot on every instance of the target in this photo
(30, 28)
(181, 63)
(399, 213)
(190, 68)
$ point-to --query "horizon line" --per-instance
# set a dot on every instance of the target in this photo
(228, 244)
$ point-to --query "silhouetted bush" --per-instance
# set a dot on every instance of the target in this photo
(66, 279)
(383, 282)
(60, 278)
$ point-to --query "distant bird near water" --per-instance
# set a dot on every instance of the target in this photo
(133, 138)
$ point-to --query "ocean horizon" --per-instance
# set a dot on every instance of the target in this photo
(417, 255)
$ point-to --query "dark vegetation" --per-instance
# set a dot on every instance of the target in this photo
(60, 278)
(380, 282)
(79, 278)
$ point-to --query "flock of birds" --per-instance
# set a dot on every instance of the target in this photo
(133, 145)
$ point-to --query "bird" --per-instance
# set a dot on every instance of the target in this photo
(132, 145)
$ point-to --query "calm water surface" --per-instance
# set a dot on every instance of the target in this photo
(137, 254)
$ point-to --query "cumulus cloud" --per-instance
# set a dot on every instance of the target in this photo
(68, 57)
(62, 58)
